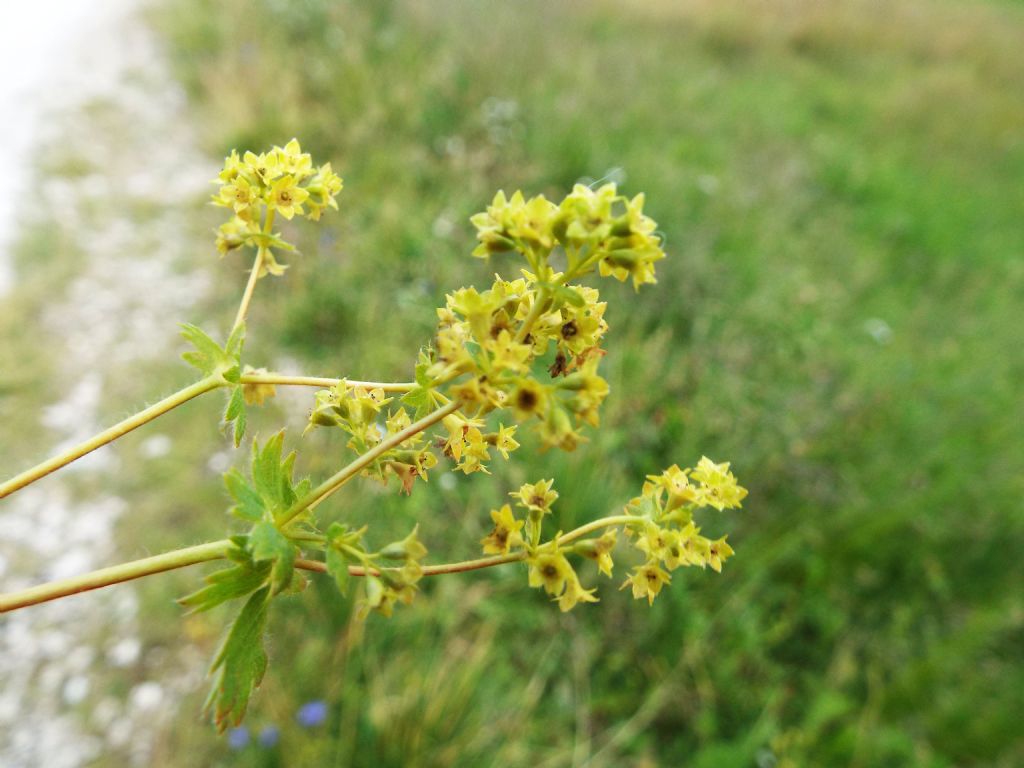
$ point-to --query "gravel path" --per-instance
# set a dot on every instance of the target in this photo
(57, 660)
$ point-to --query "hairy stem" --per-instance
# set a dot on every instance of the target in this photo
(254, 276)
(109, 435)
(333, 483)
(217, 550)
(105, 577)
(250, 289)
(316, 381)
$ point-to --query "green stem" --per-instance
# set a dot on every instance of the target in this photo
(535, 312)
(217, 550)
(316, 381)
(109, 435)
(596, 525)
(105, 577)
(250, 289)
(254, 276)
(333, 483)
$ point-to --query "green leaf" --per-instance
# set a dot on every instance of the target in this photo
(226, 584)
(266, 468)
(240, 664)
(235, 413)
(565, 294)
(267, 543)
(236, 341)
(337, 567)
(418, 398)
(210, 358)
(207, 354)
(250, 505)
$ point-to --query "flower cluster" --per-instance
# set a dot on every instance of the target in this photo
(257, 187)
(391, 574)
(659, 523)
(362, 414)
(666, 532)
(592, 226)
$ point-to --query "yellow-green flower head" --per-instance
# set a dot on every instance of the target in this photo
(575, 594)
(239, 195)
(599, 550)
(506, 533)
(234, 234)
(265, 167)
(528, 398)
(719, 488)
(718, 552)
(537, 496)
(647, 581)
(257, 394)
(585, 215)
(504, 440)
(292, 160)
(233, 166)
(287, 197)
(675, 482)
(550, 570)
(511, 223)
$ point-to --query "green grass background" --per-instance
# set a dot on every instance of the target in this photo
(840, 187)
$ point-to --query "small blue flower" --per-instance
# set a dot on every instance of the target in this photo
(269, 736)
(238, 738)
(312, 713)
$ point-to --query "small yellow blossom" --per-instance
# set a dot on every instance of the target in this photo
(551, 571)
(647, 581)
(719, 488)
(537, 496)
(257, 394)
(506, 533)
(287, 197)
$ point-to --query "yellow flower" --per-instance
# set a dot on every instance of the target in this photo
(647, 581)
(291, 159)
(718, 552)
(239, 194)
(537, 496)
(719, 488)
(528, 398)
(257, 394)
(504, 440)
(551, 571)
(506, 533)
(599, 550)
(287, 197)
(675, 481)
(575, 593)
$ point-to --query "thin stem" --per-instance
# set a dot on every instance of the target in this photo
(250, 289)
(217, 550)
(596, 525)
(316, 381)
(254, 276)
(333, 483)
(428, 570)
(535, 312)
(105, 577)
(109, 435)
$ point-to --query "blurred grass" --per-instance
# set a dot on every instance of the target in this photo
(840, 188)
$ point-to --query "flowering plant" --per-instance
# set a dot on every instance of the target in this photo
(523, 353)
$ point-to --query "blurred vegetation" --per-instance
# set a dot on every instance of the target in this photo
(840, 188)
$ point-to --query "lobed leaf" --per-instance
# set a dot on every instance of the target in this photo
(240, 664)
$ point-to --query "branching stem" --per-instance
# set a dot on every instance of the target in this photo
(109, 435)
(323, 383)
(217, 550)
(333, 483)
